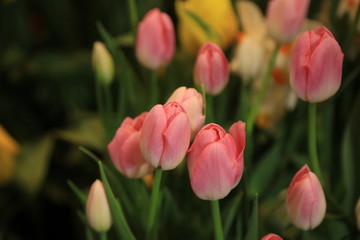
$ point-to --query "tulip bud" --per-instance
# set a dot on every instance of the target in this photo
(285, 18)
(124, 149)
(316, 65)
(211, 69)
(305, 200)
(155, 40)
(216, 160)
(103, 63)
(193, 104)
(357, 214)
(271, 236)
(97, 208)
(165, 135)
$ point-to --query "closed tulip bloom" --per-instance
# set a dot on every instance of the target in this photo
(271, 236)
(124, 148)
(305, 200)
(193, 104)
(103, 63)
(285, 18)
(165, 136)
(216, 160)
(211, 69)
(316, 66)
(97, 208)
(155, 40)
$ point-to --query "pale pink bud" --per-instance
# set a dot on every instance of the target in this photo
(155, 39)
(124, 148)
(216, 160)
(271, 236)
(305, 200)
(165, 136)
(193, 104)
(285, 18)
(211, 69)
(103, 63)
(97, 208)
(316, 66)
(357, 214)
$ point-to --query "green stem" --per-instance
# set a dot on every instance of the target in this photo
(209, 109)
(219, 235)
(352, 30)
(312, 141)
(103, 236)
(102, 106)
(154, 88)
(132, 9)
(121, 99)
(260, 98)
(154, 202)
(109, 112)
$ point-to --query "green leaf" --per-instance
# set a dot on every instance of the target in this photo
(264, 172)
(80, 195)
(252, 233)
(230, 212)
(88, 231)
(121, 226)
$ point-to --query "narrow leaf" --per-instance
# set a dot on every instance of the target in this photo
(252, 233)
(230, 212)
(80, 195)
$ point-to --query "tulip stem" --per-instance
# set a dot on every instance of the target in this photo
(154, 202)
(260, 97)
(312, 141)
(154, 88)
(103, 236)
(133, 16)
(219, 235)
(209, 109)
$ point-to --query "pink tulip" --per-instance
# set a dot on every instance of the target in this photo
(193, 104)
(216, 160)
(316, 65)
(155, 40)
(305, 200)
(211, 69)
(165, 136)
(285, 18)
(271, 236)
(97, 208)
(124, 149)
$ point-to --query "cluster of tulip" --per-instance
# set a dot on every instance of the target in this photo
(160, 139)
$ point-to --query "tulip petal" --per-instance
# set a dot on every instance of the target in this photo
(251, 18)
(151, 138)
(176, 142)
(212, 176)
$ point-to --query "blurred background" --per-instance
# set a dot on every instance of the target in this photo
(48, 106)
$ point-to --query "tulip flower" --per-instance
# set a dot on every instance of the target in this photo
(103, 63)
(124, 149)
(155, 40)
(97, 208)
(285, 18)
(305, 200)
(165, 135)
(316, 67)
(216, 160)
(357, 214)
(218, 16)
(211, 69)
(271, 236)
(193, 104)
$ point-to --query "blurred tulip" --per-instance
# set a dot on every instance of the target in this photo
(316, 66)
(271, 236)
(216, 160)
(103, 63)
(357, 214)
(155, 40)
(305, 200)
(165, 136)
(285, 18)
(219, 16)
(348, 7)
(124, 149)
(193, 104)
(9, 148)
(97, 208)
(211, 69)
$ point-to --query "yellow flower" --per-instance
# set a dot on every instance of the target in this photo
(201, 21)
(9, 148)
